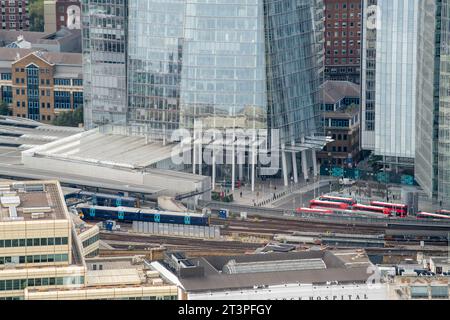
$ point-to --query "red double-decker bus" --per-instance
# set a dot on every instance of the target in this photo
(443, 212)
(328, 204)
(349, 201)
(372, 209)
(400, 210)
(427, 215)
(309, 210)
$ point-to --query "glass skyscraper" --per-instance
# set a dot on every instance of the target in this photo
(432, 161)
(389, 73)
(158, 65)
(104, 28)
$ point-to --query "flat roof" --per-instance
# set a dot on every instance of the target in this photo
(28, 198)
(341, 266)
(109, 149)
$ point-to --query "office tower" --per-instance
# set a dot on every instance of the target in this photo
(104, 28)
(432, 170)
(343, 40)
(368, 74)
(158, 65)
(14, 15)
(395, 82)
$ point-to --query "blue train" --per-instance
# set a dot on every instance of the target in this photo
(127, 214)
(103, 199)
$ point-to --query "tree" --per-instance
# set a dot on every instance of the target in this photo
(37, 15)
(4, 109)
(69, 118)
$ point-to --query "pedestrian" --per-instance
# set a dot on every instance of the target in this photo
(240, 194)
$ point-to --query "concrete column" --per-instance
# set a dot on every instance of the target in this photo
(304, 165)
(241, 165)
(194, 159)
(213, 167)
(314, 161)
(233, 162)
(253, 165)
(200, 155)
(294, 164)
(284, 165)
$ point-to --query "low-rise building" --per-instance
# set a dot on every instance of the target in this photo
(311, 275)
(43, 249)
(340, 117)
(39, 85)
(63, 40)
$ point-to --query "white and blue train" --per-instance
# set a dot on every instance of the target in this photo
(103, 199)
(127, 214)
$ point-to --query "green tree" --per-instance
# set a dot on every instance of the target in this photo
(4, 109)
(36, 10)
(69, 118)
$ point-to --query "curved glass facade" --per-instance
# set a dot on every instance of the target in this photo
(227, 63)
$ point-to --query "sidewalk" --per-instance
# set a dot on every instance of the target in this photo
(267, 192)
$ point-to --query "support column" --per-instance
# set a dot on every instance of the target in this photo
(233, 162)
(294, 164)
(194, 159)
(253, 165)
(314, 160)
(304, 165)
(284, 165)
(241, 165)
(200, 154)
(213, 167)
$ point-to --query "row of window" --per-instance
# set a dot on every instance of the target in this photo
(334, 149)
(6, 76)
(93, 254)
(37, 258)
(35, 242)
(68, 82)
(92, 240)
(20, 284)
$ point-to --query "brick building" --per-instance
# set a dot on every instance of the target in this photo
(14, 15)
(62, 13)
(39, 85)
(343, 40)
(340, 116)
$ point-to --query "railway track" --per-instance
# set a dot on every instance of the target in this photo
(180, 242)
(267, 226)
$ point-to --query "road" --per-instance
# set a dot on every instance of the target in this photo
(302, 199)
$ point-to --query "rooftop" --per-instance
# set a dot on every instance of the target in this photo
(31, 201)
(333, 91)
(110, 149)
(270, 269)
(14, 38)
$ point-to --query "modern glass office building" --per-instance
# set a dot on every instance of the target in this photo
(432, 161)
(368, 74)
(395, 84)
(158, 65)
(389, 80)
(104, 28)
